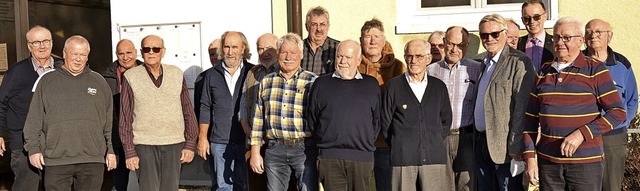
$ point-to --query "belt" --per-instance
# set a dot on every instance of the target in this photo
(462, 130)
(289, 142)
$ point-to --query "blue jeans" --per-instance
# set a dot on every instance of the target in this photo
(230, 167)
(382, 168)
(300, 159)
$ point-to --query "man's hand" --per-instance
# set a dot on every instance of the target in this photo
(203, 148)
(532, 171)
(515, 156)
(111, 161)
(133, 163)
(256, 161)
(187, 156)
(2, 147)
(37, 160)
(571, 143)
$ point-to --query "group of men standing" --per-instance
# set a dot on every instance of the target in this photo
(331, 112)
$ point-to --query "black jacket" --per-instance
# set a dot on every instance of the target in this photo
(110, 75)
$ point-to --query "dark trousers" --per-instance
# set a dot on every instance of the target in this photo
(159, 167)
(282, 160)
(554, 176)
(615, 155)
(83, 176)
(121, 173)
(27, 177)
(461, 166)
(382, 169)
(492, 176)
(340, 174)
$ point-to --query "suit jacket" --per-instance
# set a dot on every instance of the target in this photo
(505, 102)
(547, 52)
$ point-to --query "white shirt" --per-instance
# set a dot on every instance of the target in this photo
(231, 79)
(418, 87)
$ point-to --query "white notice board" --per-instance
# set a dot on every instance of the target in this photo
(181, 40)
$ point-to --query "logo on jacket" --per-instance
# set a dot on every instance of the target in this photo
(92, 91)
(404, 106)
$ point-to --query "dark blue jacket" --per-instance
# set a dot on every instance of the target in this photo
(219, 109)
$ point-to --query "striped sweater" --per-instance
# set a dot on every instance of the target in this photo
(561, 103)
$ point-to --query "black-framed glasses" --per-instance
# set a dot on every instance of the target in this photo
(415, 56)
(535, 17)
(564, 38)
(597, 32)
(45, 42)
(453, 45)
(149, 49)
(495, 34)
(439, 46)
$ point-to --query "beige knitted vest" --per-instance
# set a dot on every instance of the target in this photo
(157, 112)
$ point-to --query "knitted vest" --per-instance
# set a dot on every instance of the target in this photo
(157, 112)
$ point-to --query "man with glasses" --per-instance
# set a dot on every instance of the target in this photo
(319, 49)
(598, 36)
(436, 40)
(574, 102)
(537, 44)
(502, 92)
(461, 76)
(15, 96)
(158, 127)
(68, 128)
(416, 117)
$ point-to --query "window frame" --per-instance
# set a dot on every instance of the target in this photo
(411, 18)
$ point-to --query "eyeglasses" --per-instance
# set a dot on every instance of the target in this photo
(46, 42)
(453, 45)
(564, 38)
(493, 34)
(535, 17)
(597, 32)
(149, 49)
(320, 25)
(415, 56)
(439, 46)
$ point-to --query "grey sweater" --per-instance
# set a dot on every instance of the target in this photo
(69, 118)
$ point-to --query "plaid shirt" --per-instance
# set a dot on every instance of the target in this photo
(280, 106)
(321, 61)
(461, 82)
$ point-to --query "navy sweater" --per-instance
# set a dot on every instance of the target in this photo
(344, 116)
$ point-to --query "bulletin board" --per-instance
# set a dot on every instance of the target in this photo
(182, 43)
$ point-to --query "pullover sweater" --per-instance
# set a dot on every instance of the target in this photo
(344, 115)
(69, 118)
(562, 102)
(416, 130)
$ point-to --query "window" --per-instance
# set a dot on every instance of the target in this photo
(422, 16)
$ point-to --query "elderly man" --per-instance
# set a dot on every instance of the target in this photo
(416, 117)
(436, 40)
(378, 61)
(598, 37)
(574, 102)
(126, 54)
(319, 49)
(221, 135)
(68, 127)
(345, 129)
(199, 82)
(537, 44)
(502, 91)
(513, 31)
(15, 96)
(461, 76)
(214, 47)
(158, 127)
(278, 121)
(268, 55)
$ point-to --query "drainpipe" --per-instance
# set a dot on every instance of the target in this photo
(294, 16)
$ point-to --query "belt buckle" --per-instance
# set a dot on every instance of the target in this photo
(289, 142)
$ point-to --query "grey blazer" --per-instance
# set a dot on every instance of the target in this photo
(505, 101)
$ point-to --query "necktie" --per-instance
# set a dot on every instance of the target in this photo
(536, 54)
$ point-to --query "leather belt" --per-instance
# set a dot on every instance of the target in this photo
(289, 142)
(462, 130)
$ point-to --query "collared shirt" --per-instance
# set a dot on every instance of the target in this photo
(461, 81)
(535, 56)
(39, 69)
(322, 60)
(417, 87)
(280, 107)
(250, 89)
(482, 89)
(337, 75)
(559, 67)
(231, 79)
